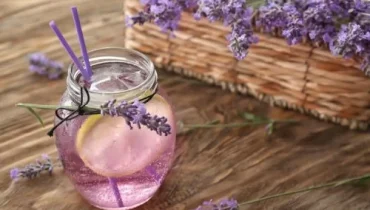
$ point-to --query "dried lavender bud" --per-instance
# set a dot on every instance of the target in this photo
(226, 204)
(352, 40)
(140, 19)
(164, 13)
(318, 20)
(54, 70)
(41, 65)
(14, 173)
(33, 170)
(294, 31)
(272, 16)
(235, 14)
(38, 63)
(135, 113)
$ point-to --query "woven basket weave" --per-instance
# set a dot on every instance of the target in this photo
(303, 78)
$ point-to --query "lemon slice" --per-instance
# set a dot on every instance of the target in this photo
(110, 148)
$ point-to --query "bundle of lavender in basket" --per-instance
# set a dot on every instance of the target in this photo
(341, 25)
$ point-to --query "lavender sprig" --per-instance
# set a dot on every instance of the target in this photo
(225, 204)
(294, 31)
(231, 204)
(284, 17)
(271, 16)
(320, 21)
(33, 170)
(42, 65)
(235, 14)
(352, 40)
(135, 113)
(164, 13)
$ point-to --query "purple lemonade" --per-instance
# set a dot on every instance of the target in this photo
(111, 165)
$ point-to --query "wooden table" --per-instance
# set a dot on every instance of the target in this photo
(209, 164)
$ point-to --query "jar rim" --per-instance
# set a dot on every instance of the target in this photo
(74, 75)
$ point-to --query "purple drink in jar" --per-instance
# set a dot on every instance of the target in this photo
(111, 165)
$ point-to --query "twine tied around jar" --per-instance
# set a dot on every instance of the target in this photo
(82, 108)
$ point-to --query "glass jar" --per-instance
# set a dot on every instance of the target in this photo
(111, 165)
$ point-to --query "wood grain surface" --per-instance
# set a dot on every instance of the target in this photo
(209, 164)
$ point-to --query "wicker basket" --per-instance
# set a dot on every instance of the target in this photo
(303, 78)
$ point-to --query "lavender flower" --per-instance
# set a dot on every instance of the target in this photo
(40, 64)
(285, 17)
(226, 204)
(237, 15)
(33, 170)
(164, 13)
(140, 19)
(135, 113)
(39, 59)
(361, 12)
(212, 9)
(294, 31)
(351, 40)
(272, 16)
(14, 173)
(318, 20)
(240, 43)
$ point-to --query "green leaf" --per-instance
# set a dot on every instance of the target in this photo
(362, 182)
(270, 128)
(252, 117)
(249, 116)
(180, 126)
(255, 3)
(36, 115)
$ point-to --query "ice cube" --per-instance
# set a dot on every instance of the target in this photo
(111, 83)
(116, 76)
(132, 79)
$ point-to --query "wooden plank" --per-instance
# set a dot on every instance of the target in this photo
(209, 163)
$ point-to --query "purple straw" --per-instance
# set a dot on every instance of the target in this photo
(112, 181)
(113, 184)
(153, 173)
(69, 50)
(82, 41)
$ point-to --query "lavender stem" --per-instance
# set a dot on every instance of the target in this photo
(113, 184)
(231, 125)
(331, 184)
(151, 170)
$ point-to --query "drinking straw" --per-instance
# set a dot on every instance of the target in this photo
(82, 41)
(86, 73)
(68, 49)
(113, 184)
(76, 19)
(153, 173)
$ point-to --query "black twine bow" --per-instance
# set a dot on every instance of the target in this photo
(80, 109)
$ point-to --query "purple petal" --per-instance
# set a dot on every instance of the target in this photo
(14, 173)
